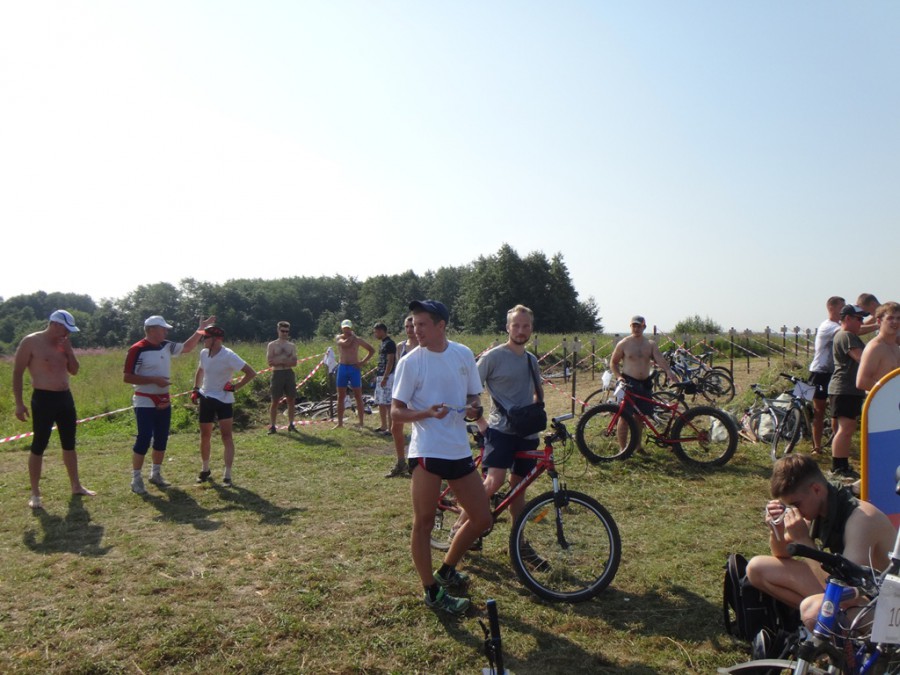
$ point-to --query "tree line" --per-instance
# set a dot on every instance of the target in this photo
(477, 295)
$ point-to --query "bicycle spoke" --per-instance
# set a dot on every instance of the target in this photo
(569, 554)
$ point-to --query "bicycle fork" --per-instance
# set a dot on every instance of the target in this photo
(560, 499)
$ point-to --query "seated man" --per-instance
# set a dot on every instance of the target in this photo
(804, 508)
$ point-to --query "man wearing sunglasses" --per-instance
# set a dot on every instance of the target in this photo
(845, 398)
(281, 355)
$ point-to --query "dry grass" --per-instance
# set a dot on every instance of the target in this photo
(304, 565)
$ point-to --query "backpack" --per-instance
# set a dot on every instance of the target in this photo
(747, 610)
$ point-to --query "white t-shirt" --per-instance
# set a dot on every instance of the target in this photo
(823, 359)
(145, 358)
(425, 378)
(218, 371)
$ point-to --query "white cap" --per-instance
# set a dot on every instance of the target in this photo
(63, 317)
(156, 320)
(346, 323)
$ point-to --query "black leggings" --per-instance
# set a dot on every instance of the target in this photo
(49, 408)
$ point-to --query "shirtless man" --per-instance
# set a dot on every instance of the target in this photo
(49, 359)
(281, 355)
(630, 364)
(869, 303)
(348, 370)
(881, 354)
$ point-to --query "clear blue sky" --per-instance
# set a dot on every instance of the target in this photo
(735, 160)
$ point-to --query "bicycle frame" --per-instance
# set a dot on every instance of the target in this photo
(662, 438)
(545, 463)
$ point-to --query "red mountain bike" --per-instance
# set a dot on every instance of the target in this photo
(701, 436)
(565, 546)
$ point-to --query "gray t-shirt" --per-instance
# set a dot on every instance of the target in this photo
(510, 382)
(843, 380)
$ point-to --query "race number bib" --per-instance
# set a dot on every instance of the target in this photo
(887, 612)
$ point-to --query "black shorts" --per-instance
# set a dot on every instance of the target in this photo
(500, 452)
(212, 409)
(447, 469)
(846, 405)
(820, 382)
(49, 408)
(642, 388)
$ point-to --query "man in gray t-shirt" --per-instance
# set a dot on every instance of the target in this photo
(512, 376)
(846, 400)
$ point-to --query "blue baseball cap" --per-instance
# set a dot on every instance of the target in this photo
(432, 307)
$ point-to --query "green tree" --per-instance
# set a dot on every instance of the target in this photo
(696, 325)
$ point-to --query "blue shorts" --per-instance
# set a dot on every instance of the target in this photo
(212, 408)
(348, 376)
(152, 424)
(447, 469)
(500, 452)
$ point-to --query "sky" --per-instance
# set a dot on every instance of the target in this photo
(734, 160)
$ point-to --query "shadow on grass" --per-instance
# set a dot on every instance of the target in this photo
(177, 506)
(247, 500)
(663, 461)
(554, 652)
(72, 534)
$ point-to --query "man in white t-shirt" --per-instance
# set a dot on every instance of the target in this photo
(214, 390)
(148, 367)
(435, 388)
(822, 366)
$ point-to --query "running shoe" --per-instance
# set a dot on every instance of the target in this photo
(454, 579)
(137, 486)
(447, 603)
(204, 476)
(271, 430)
(159, 481)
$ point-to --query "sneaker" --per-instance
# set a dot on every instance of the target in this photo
(159, 481)
(398, 470)
(35, 502)
(532, 559)
(204, 476)
(446, 602)
(844, 473)
(455, 579)
(291, 428)
(271, 431)
(137, 486)
(226, 481)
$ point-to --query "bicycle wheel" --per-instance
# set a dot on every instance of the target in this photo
(599, 396)
(716, 387)
(787, 433)
(565, 547)
(445, 517)
(597, 437)
(704, 437)
(662, 415)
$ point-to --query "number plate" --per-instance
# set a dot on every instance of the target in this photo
(887, 612)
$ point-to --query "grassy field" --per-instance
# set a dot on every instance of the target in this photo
(304, 565)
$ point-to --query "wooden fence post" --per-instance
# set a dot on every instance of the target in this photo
(768, 348)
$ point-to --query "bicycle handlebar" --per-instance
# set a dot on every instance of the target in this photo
(839, 567)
